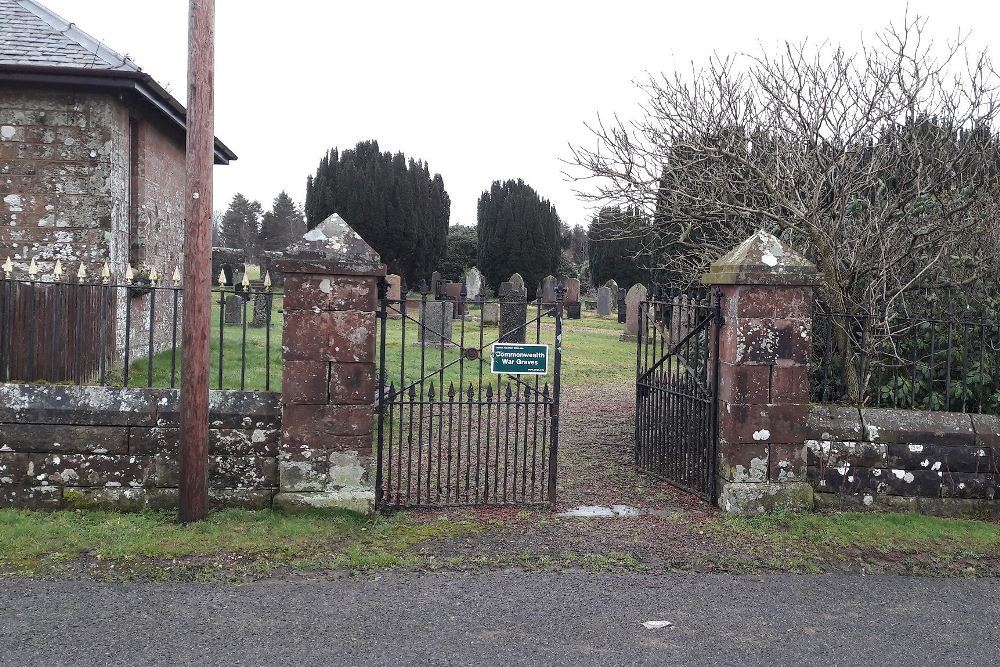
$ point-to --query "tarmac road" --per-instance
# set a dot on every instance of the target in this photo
(506, 618)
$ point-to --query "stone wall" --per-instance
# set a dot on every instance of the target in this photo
(101, 447)
(933, 462)
(61, 154)
(91, 178)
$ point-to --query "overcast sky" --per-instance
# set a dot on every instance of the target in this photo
(480, 90)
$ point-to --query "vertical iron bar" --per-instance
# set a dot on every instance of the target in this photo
(152, 325)
(383, 287)
(173, 341)
(222, 328)
(128, 331)
(556, 383)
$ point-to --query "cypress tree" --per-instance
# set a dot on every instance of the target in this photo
(518, 232)
(392, 202)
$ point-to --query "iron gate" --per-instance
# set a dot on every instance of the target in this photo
(677, 377)
(448, 430)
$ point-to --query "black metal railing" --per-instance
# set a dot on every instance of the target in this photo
(128, 333)
(948, 361)
(677, 380)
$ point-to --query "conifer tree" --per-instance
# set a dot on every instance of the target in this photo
(240, 226)
(518, 232)
(392, 202)
(282, 225)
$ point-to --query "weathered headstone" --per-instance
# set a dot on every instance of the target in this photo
(636, 295)
(604, 301)
(473, 283)
(549, 289)
(261, 309)
(491, 313)
(234, 309)
(517, 282)
(613, 286)
(393, 294)
(513, 312)
(453, 292)
(621, 305)
(572, 298)
(572, 290)
(435, 281)
(435, 324)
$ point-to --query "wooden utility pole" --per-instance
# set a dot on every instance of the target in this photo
(197, 308)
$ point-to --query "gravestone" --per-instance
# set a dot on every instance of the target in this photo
(572, 290)
(393, 295)
(261, 308)
(572, 298)
(621, 305)
(435, 281)
(604, 301)
(435, 324)
(613, 286)
(636, 295)
(548, 289)
(234, 309)
(517, 282)
(513, 312)
(473, 283)
(491, 313)
(453, 292)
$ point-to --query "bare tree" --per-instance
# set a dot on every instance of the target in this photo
(879, 164)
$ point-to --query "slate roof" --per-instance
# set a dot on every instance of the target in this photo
(31, 34)
(37, 45)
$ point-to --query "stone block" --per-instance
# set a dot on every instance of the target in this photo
(740, 423)
(846, 479)
(145, 441)
(307, 292)
(348, 470)
(92, 470)
(751, 499)
(787, 463)
(120, 499)
(925, 483)
(839, 453)
(242, 472)
(744, 384)
(31, 497)
(968, 485)
(765, 341)
(64, 439)
(987, 429)
(940, 458)
(352, 383)
(305, 382)
(246, 499)
(943, 428)
(355, 500)
(744, 462)
(303, 475)
(769, 302)
(834, 422)
(789, 384)
(344, 336)
(16, 469)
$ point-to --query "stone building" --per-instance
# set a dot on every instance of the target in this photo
(91, 154)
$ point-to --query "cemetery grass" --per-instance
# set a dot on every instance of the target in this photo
(592, 354)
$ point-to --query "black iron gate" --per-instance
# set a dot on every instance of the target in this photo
(449, 431)
(677, 377)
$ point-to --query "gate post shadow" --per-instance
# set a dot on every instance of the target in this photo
(331, 280)
(763, 390)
